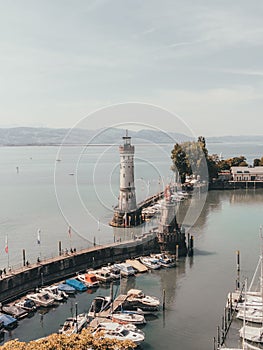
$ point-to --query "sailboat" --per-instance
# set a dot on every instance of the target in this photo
(245, 345)
(251, 333)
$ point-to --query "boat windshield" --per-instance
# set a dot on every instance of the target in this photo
(124, 332)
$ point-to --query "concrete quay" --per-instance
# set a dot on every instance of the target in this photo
(17, 283)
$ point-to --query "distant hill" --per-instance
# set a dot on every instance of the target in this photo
(235, 139)
(22, 136)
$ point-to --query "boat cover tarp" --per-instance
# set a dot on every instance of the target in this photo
(79, 286)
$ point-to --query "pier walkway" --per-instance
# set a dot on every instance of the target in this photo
(16, 283)
(151, 200)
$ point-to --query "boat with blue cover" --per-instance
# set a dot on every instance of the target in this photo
(8, 321)
(66, 288)
(79, 286)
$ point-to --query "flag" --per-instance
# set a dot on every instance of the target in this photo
(98, 225)
(38, 236)
(6, 245)
(69, 231)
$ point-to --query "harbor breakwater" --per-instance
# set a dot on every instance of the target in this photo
(17, 283)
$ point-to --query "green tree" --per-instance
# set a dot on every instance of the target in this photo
(237, 161)
(180, 162)
(191, 158)
(258, 162)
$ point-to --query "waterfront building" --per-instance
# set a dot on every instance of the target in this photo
(244, 173)
(127, 213)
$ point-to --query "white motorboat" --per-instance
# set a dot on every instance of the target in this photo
(114, 330)
(101, 275)
(89, 279)
(165, 260)
(26, 304)
(137, 294)
(41, 299)
(136, 299)
(113, 271)
(14, 311)
(57, 296)
(151, 263)
(124, 317)
(125, 269)
(74, 325)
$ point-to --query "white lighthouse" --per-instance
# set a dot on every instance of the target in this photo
(127, 197)
(126, 213)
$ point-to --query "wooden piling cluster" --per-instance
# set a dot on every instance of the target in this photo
(229, 311)
(226, 321)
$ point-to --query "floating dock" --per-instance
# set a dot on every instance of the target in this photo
(136, 264)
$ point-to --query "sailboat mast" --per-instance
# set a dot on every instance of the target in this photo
(261, 262)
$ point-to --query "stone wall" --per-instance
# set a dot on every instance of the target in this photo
(20, 282)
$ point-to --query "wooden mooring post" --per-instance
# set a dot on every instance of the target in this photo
(24, 257)
(59, 248)
(163, 299)
(176, 252)
(238, 271)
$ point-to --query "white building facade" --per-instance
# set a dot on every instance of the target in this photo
(242, 173)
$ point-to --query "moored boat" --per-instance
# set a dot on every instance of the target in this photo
(79, 286)
(26, 304)
(114, 330)
(41, 299)
(125, 269)
(165, 260)
(89, 279)
(63, 287)
(124, 317)
(8, 321)
(14, 311)
(151, 263)
(253, 334)
(250, 315)
(74, 325)
(101, 275)
(136, 299)
(114, 272)
(55, 292)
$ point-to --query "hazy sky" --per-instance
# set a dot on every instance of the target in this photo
(201, 59)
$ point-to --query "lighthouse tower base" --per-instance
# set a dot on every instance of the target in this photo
(127, 219)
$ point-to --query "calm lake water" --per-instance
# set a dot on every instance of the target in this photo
(196, 290)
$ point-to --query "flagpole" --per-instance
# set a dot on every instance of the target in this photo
(70, 240)
(39, 242)
(7, 251)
